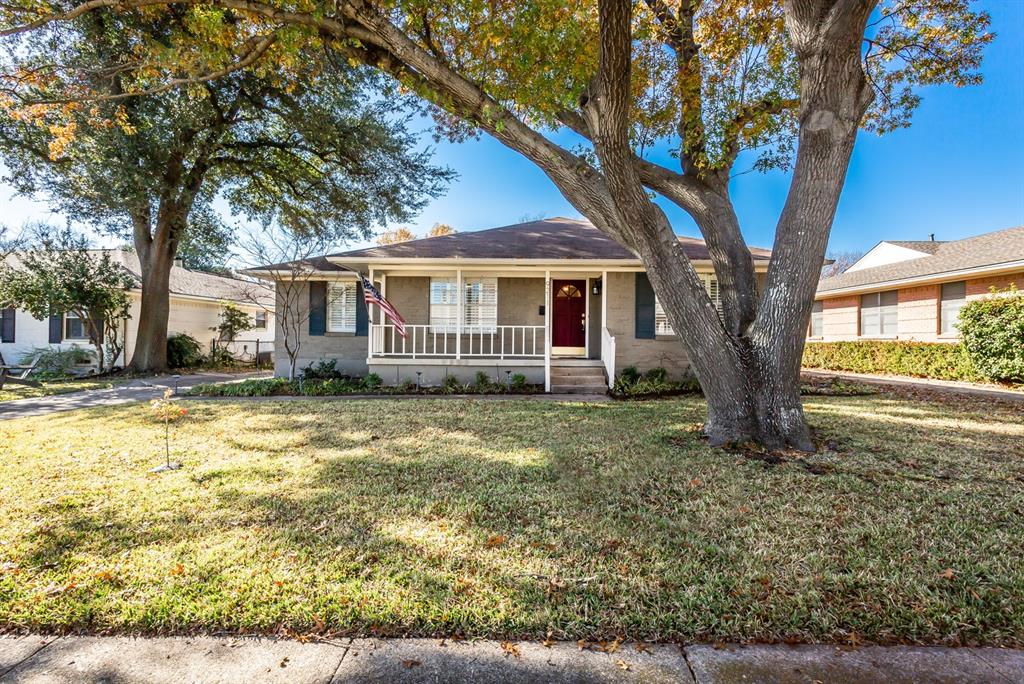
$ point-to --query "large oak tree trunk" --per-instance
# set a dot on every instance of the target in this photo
(156, 253)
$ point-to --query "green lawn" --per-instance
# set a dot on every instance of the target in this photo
(11, 391)
(513, 519)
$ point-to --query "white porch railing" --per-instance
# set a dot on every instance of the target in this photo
(470, 341)
(608, 355)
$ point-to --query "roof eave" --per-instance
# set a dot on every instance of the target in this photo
(926, 279)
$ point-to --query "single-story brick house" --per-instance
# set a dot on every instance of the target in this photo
(555, 300)
(914, 290)
(196, 297)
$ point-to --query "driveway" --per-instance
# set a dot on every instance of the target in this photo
(140, 389)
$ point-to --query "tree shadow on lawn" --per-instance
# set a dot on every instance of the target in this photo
(515, 519)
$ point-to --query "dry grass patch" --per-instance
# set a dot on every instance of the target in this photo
(510, 519)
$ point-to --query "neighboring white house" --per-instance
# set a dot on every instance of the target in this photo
(197, 299)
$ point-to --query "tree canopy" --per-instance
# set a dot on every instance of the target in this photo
(791, 81)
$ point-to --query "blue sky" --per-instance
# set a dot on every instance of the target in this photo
(958, 171)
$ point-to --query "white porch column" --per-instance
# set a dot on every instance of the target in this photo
(604, 299)
(547, 331)
(458, 313)
(369, 322)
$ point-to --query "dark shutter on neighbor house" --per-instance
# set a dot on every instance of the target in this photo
(56, 329)
(362, 315)
(317, 307)
(644, 308)
(7, 325)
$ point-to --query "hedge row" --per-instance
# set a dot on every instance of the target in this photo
(916, 359)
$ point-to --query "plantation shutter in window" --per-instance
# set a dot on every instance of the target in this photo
(7, 326)
(716, 296)
(317, 308)
(56, 329)
(481, 304)
(661, 324)
(644, 308)
(443, 304)
(341, 307)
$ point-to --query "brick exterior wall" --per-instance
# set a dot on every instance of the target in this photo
(918, 310)
(346, 348)
(664, 352)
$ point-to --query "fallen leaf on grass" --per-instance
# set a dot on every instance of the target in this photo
(622, 664)
(510, 649)
(548, 641)
(947, 574)
(178, 569)
(496, 540)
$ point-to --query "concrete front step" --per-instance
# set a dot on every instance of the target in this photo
(576, 363)
(579, 389)
(577, 372)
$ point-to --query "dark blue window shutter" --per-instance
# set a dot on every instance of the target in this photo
(362, 315)
(644, 308)
(56, 329)
(317, 307)
(7, 325)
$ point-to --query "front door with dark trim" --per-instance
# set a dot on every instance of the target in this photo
(569, 316)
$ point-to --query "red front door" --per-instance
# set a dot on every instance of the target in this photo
(569, 313)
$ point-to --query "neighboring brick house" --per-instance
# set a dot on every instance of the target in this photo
(196, 297)
(914, 290)
(555, 300)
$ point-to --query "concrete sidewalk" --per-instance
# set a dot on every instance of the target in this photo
(943, 386)
(211, 659)
(138, 389)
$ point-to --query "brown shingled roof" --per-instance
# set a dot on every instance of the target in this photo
(988, 249)
(548, 239)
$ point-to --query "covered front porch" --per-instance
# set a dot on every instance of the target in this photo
(461, 321)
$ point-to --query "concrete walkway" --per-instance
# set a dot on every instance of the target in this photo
(210, 659)
(139, 389)
(944, 386)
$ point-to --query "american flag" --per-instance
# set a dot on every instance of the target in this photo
(372, 296)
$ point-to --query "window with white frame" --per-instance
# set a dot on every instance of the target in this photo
(480, 304)
(879, 313)
(74, 328)
(444, 307)
(661, 324)
(260, 320)
(341, 307)
(954, 296)
(817, 319)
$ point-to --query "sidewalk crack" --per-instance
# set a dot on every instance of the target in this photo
(33, 654)
(686, 659)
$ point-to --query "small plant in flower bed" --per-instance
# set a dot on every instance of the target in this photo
(632, 384)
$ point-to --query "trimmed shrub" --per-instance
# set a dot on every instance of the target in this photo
(992, 330)
(324, 369)
(184, 351)
(917, 359)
